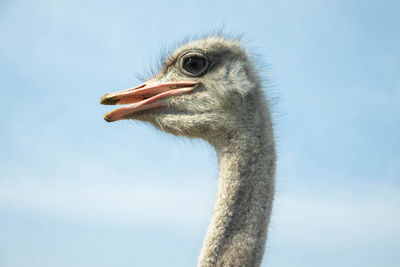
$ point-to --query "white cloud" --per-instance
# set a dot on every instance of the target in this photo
(342, 216)
(314, 214)
(326, 224)
(150, 204)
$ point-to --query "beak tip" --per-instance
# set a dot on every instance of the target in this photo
(108, 100)
(107, 118)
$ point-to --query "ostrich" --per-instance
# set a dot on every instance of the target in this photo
(209, 89)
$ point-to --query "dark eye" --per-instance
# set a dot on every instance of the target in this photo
(195, 65)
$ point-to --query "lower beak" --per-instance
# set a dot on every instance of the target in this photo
(143, 97)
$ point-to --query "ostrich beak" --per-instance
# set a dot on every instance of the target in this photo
(143, 97)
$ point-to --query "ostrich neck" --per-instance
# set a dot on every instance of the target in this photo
(238, 227)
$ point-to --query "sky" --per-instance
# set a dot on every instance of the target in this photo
(77, 191)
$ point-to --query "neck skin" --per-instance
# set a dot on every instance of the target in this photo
(238, 228)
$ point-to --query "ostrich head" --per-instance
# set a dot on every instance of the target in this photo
(204, 88)
(209, 89)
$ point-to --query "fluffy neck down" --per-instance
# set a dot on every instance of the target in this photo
(238, 228)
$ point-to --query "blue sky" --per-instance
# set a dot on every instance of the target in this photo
(77, 191)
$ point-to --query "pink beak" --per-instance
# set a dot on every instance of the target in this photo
(143, 97)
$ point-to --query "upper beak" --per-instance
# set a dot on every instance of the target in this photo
(143, 97)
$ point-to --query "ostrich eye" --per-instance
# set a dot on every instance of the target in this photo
(195, 65)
